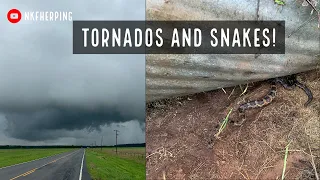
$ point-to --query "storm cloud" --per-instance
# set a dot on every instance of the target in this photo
(47, 93)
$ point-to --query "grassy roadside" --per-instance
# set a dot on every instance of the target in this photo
(10, 157)
(105, 164)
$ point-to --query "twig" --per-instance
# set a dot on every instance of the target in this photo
(245, 90)
(313, 164)
(224, 91)
(311, 18)
(243, 175)
(240, 87)
(231, 93)
(314, 9)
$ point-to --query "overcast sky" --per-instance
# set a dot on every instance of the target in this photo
(50, 96)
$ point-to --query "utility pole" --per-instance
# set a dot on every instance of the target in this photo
(101, 142)
(116, 140)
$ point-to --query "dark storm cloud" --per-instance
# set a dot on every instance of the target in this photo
(47, 92)
(42, 125)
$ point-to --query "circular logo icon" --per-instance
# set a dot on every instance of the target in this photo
(14, 16)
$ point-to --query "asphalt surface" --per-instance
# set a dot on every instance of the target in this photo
(65, 166)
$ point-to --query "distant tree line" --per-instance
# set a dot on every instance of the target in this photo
(70, 146)
(131, 145)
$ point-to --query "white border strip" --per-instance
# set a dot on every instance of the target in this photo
(80, 175)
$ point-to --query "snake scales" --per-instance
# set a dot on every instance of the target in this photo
(288, 82)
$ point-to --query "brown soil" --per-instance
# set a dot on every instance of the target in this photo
(181, 143)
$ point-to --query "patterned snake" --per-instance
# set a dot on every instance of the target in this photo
(288, 82)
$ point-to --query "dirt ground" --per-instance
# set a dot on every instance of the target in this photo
(181, 143)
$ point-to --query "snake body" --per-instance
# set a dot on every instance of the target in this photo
(288, 82)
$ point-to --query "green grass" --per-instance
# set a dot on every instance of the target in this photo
(224, 123)
(105, 164)
(141, 150)
(10, 157)
(279, 2)
(285, 161)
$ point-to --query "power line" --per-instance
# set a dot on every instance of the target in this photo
(101, 142)
(116, 140)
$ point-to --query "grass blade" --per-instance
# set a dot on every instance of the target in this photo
(224, 123)
(285, 161)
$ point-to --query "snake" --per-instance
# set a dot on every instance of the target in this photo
(288, 82)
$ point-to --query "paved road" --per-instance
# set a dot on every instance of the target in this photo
(65, 166)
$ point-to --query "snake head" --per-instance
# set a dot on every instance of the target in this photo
(292, 80)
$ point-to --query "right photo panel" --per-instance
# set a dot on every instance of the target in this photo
(244, 104)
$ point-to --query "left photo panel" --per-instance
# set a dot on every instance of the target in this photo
(66, 116)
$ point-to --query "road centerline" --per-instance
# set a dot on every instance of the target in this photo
(33, 170)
